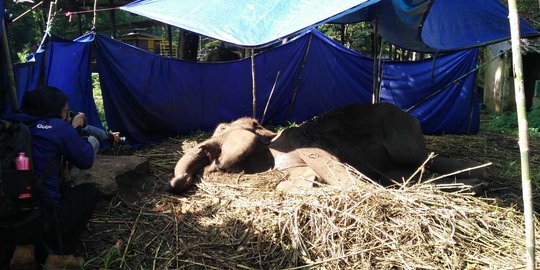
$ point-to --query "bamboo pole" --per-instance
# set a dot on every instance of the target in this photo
(253, 90)
(26, 12)
(374, 48)
(523, 135)
(95, 15)
(270, 97)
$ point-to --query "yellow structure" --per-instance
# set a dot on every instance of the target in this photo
(150, 43)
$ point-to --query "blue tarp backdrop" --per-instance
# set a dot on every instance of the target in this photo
(68, 69)
(149, 97)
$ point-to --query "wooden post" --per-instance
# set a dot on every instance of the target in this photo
(95, 15)
(9, 68)
(169, 37)
(342, 33)
(523, 135)
(376, 97)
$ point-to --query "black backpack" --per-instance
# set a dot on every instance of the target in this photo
(16, 186)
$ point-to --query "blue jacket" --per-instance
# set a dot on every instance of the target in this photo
(52, 137)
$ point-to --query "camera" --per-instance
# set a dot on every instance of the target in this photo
(72, 115)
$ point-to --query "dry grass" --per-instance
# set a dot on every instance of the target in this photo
(237, 221)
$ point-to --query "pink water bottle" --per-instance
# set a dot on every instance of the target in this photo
(22, 162)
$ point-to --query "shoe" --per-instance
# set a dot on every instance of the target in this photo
(63, 262)
(24, 257)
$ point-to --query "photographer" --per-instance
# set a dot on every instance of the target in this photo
(66, 210)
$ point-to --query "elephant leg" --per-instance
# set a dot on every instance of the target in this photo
(298, 178)
(445, 165)
(474, 185)
(326, 166)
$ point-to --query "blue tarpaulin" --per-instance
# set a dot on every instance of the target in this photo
(418, 25)
(249, 23)
(67, 67)
(149, 97)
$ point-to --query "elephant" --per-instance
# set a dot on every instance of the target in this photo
(379, 140)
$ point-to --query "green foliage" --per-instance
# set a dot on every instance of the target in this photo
(212, 44)
(357, 36)
(98, 99)
(507, 122)
(25, 33)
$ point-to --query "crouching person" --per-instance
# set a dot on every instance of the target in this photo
(65, 209)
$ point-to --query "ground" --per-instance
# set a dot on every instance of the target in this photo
(144, 226)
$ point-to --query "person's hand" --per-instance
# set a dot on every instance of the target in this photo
(78, 120)
(115, 137)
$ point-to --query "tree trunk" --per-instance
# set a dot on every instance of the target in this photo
(188, 45)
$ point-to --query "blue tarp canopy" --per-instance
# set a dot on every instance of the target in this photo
(246, 23)
(418, 25)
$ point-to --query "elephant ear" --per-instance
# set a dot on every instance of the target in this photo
(212, 150)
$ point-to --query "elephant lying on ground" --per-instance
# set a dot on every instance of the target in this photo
(379, 140)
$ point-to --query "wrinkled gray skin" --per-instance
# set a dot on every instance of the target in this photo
(379, 140)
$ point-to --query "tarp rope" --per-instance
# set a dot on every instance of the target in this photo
(95, 10)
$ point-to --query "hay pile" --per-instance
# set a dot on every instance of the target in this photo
(238, 221)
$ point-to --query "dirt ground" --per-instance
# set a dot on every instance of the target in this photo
(135, 230)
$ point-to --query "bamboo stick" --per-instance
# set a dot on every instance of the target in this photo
(523, 135)
(253, 90)
(297, 82)
(270, 97)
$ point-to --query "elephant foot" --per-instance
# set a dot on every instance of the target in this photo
(299, 178)
(180, 184)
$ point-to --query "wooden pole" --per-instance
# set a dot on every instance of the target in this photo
(9, 68)
(169, 37)
(95, 15)
(342, 33)
(375, 97)
(270, 97)
(26, 12)
(523, 135)
(253, 91)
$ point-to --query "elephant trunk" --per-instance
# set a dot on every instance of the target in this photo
(193, 161)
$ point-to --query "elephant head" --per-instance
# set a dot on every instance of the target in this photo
(241, 145)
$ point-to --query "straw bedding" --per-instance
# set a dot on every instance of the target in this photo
(237, 221)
